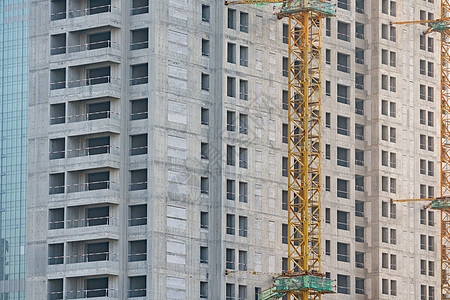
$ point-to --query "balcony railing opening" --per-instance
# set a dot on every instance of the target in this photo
(139, 39)
(57, 113)
(138, 251)
(91, 257)
(139, 109)
(87, 222)
(95, 7)
(139, 74)
(58, 9)
(138, 215)
(87, 82)
(92, 293)
(139, 7)
(138, 180)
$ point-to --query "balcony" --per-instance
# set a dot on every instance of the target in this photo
(96, 294)
(86, 158)
(104, 192)
(87, 18)
(86, 229)
(89, 53)
(87, 187)
(88, 123)
(88, 264)
(88, 88)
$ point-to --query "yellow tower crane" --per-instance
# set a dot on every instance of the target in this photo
(304, 280)
(442, 203)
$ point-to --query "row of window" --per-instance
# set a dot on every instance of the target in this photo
(343, 217)
(95, 110)
(388, 32)
(423, 292)
(231, 54)
(423, 267)
(94, 251)
(423, 217)
(343, 126)
(343, 156)
(388, 108)
(231, 122)
(230, 292)
(388, 210)
(94, 181)
(385, 261)
(342, 251)
(359, 236)
(423, 167)
(423, 242)
(343, 60)
(59, 45)
(388, 184)
(388, 83)
(95, 146)
(389, 8)
(95, 287)
(426, 41)
(232, 20)
(231, 225)
(343, 96)
(96, 216)
(231, 259)
(426, 68)
(343, 284)
(342, 186)
(95, 75)
(423, 93)
(345, 4)
(423, 142)
(60, 10)
(388, 159)
(385, 290)
(343, 30)
(231, 156)
(391, 137)
(424, 190)
(389, 235)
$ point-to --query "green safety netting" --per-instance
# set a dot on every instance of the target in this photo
(440, 25)
(440, 204)
(270, 294)
(285, 284)
(320, 284)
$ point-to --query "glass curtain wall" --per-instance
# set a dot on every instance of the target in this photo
(13, 147)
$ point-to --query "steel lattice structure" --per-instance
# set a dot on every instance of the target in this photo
(304, 206)
(304, 147)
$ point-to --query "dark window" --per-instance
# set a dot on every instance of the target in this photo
(139, 7)
(139, 39)
(139, 109)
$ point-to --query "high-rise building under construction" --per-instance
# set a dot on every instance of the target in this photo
(158, 150)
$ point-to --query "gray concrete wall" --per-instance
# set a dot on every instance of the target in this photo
(175, 167)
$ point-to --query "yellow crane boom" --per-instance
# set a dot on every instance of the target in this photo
(304, 279)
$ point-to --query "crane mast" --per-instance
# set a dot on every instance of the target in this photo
(304, 279)
(445, 150)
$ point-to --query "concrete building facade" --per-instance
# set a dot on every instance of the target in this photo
(158, 145)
